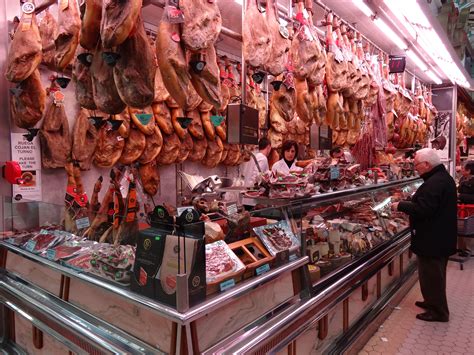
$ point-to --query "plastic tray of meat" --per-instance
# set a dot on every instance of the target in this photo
(20, 239)
(278, 237)
(221, 263)
(63, 251)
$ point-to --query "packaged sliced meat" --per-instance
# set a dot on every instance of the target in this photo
(221, 263)
(278, 237)
(44, 240)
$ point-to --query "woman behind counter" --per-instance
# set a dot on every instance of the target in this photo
(287, 164)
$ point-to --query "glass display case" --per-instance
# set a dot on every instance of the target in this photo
(189, 275)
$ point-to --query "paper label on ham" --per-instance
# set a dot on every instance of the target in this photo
(28, 8)
(173, 14)
(26, 23)
(63, 5)
(338, 56)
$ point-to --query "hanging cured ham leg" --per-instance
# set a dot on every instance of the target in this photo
(134, 73)
(28, 101)
(84, 140)
(25, 52)
(207, 82)
(90, 29)
(68, 33)
(257, 39)
(118, 20)
(280, 41)
(202, 23)
(172, 62)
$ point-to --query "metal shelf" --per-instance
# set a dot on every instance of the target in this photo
(214, 302)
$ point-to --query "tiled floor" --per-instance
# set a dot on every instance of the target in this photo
(402, 333)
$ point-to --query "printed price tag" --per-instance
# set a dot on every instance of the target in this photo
(82, 223)
(44, 231)
(262, 269)
(51, 254)
(226, 285)
(30, 246)
(337, 53)
(232, 209)
(284, 32)
(334, 172)
(180, 210)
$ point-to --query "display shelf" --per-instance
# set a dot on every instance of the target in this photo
(63, 321)
(328, 196)
(297, 318)
(212, 303)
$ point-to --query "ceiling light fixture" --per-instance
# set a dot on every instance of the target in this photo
(363, 7)
(433, 77)
(387, 31)
(419, 63)
(428, 38)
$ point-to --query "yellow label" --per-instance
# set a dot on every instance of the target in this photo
(64, 4)
(26, 22)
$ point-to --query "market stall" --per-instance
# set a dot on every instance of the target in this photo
(130, 122)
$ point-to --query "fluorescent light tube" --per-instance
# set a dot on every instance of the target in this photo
(390, 34)
(433, 77)
(363, 7)
(420, 64)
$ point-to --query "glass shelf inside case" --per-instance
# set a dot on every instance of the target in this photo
(337, 232)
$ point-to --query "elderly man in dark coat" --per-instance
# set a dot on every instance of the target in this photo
(433, 224)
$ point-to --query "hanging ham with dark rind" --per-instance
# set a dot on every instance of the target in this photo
(28, 102)
(134, 72)
(54, 137)
(84, 140)
(172, 62)
(105, 92)
(90, 29)
(69, 29)
(202, 23)
(118, 20)
(48, 28)
(207, 82)
(25, 52)
(82, 76)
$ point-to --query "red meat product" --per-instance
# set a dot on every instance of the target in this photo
(218, 261)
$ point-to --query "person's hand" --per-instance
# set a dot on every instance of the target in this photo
(395, 206)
